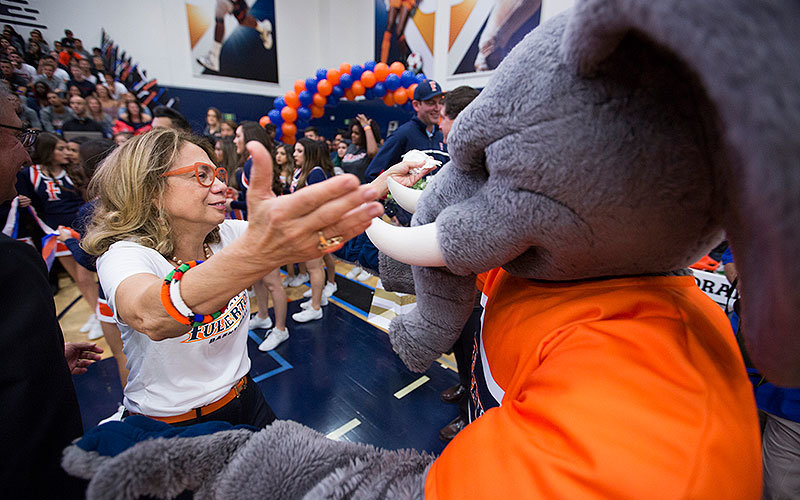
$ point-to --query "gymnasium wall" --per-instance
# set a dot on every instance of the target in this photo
(309, 34)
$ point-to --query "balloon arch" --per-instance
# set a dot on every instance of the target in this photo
(393, 84)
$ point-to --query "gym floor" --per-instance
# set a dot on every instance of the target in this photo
(337, 375)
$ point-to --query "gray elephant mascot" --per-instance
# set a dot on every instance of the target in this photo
(613, 147)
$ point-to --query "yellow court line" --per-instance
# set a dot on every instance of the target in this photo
(341, 431)
(410, 387)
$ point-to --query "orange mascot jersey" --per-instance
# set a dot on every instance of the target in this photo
(626, 388)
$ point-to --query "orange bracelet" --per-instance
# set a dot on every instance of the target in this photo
(174, 276)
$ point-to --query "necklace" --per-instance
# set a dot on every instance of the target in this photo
(206, 250)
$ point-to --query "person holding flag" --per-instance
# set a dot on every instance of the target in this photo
(53, 189)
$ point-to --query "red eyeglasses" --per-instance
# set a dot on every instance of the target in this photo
(203, 172)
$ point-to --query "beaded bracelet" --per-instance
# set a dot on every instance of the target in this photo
(174, 304)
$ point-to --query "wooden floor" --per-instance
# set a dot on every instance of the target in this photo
(337, 375)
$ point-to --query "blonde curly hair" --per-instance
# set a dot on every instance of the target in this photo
(130, 189)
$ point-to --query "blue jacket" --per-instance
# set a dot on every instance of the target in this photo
(410, 135)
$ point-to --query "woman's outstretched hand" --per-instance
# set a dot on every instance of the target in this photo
(286, 228)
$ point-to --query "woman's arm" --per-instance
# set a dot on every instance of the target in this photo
(372, 146)
(280, 230)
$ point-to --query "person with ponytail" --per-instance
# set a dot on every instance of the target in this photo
(315, 166)
(271, 283)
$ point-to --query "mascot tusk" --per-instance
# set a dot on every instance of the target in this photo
(405, 196)
(416, 245)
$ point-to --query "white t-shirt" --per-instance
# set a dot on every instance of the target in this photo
(175, 375)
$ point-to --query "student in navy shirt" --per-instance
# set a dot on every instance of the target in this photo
(314, 166)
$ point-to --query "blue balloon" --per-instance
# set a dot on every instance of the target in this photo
(278, 134)
(311, 85)
(370, 65)
(345, 81)
(369, 94)
(322, 74)
(301, 124)
(392, 82)
(303, 114)
(379, 89)
(355, 72)
(305, 97)
(275, 117)
(407, 79)
(331, 100)
(421, 77)
(337, 91)
(279, 103)
(408, 106)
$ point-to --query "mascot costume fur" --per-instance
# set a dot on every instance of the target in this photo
(613, 147)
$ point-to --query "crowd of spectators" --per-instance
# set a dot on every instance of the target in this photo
(64, 88)
(69, 95)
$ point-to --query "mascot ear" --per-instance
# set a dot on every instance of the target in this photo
(744, 54)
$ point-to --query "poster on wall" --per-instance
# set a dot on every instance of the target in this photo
(233, 38)
(404, 32)
(483, 32)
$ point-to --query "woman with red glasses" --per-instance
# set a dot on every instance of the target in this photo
(175, 270)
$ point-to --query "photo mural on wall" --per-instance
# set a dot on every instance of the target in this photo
(483, 32)
(404, 32)
(233, 38)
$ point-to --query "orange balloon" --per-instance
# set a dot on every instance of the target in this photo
(288, 129)
(291, 100)
(344, 68)
(349, 94)
(263, 121)
(317, 111)
(397, 68)
(289, 114)
(400, 96)
(368, 79)
(333, 77)
(381, 71)
(299, 86)
(410, 90)
(319, 100)
(358, 88)
(288, 139)
(324, 88)
(388, 99)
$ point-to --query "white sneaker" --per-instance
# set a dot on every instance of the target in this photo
(353, 273)
(330, 289)
(116, 417)
(273, 339)
(287, 280)
(209, 62)
(265, 31)
(364, 276)
(96, 331)
(307, 304)
(89, 323)
(257, 322)
(299, 280)
(307, 315)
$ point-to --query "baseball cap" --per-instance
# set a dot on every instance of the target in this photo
(428, 89)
